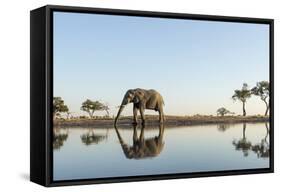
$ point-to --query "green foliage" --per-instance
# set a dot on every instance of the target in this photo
(243, 94)
(223, 111)
(59, 106)
(90, 107)
(262, 90)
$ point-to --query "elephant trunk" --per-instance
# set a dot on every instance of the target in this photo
(118, 114)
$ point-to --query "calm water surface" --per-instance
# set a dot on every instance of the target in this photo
(83, 153)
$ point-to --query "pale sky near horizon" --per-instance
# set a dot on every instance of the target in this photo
(195, 65)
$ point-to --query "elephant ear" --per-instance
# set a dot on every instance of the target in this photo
(138, 96)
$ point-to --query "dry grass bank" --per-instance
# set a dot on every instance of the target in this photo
(152, 120)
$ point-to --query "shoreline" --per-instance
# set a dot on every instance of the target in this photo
(170, 121)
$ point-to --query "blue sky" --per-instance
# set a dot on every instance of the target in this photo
(195, 65)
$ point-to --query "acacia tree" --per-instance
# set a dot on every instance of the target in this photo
(262, 90)
(59, 107)
(90, 107)
(106, 109)
(242, 95)
(223, 111)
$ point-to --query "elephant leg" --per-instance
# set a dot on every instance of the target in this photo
(161, 115)
(135, 135)
(161, 132)
(142, 115)
(135, 112)
(142, 134)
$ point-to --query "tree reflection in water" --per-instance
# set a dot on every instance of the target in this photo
(60, 135)
(243, 144)
(142, 148)
(90, 137)
(261, 149)
(223, 127)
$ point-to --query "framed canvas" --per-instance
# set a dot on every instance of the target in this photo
(125, 95)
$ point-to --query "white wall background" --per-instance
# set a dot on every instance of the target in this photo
(14, 97)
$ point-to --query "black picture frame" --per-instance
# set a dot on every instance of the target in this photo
(41, 93)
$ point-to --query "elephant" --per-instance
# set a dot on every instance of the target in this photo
(142, 99)
(142, 148)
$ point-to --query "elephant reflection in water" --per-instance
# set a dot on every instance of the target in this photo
(261, 149)
(142, 148)
(92, 138)
(59, 137)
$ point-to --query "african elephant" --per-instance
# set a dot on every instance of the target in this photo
(142, 147)
(142, 99)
